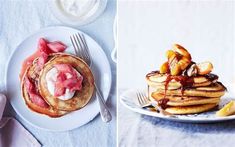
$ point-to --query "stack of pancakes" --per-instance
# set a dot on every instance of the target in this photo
(184, 92)
(49, 104)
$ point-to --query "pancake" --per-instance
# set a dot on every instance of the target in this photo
(215, 90)
(191, 109)
(155, 79)
(81, 97)
(33, 73)
(176, 85)
(184, 100)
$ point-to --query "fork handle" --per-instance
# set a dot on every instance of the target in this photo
(104, 112)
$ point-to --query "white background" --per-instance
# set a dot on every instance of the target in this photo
(148, 28)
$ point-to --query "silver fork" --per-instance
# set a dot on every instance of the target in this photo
(144, 101)
(82, 51)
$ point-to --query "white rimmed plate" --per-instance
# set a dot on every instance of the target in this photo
(101, 71)
(129, 100)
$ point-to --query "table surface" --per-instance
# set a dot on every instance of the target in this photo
(20, 18)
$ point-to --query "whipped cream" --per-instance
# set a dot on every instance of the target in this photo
(51, 77)
(79, 8)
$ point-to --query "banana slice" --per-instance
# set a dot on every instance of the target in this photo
(227, 110)
(175, 68)
(170, 53)
(182, 51)
(178, 59)
(184, 62)
(164, 68)
(204, 68)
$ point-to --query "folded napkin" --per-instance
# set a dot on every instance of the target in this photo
(12, 133)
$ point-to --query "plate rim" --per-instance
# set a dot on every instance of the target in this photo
(158, 115)
(6, 76)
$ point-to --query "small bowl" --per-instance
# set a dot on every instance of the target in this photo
(71, 20)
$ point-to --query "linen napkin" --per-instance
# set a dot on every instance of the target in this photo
(12, 133)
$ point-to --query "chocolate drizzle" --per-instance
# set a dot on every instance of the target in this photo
(212, 77)
(152, 73)
(223, 86)
(185, 82)
(163, 103)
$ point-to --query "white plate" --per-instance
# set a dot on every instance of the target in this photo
(101, 70)
(128, 99)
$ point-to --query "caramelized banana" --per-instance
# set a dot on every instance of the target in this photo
(173, 58)
(182, 51)
(175, 70)
(184, 62)
(170, 53)
(204, 68)
(164, 68)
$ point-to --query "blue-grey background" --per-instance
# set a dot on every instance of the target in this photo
(20, 18)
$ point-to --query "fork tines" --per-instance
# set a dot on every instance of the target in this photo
(80, 47)
(142, 99)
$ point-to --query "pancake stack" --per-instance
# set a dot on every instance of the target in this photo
(42, 101)
(182, 86)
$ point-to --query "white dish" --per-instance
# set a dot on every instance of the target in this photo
(101, 70)
(129, 99)
(74, 21)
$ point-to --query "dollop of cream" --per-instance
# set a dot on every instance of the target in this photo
(51, 77)
(78, 8)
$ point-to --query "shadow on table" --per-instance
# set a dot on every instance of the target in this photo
(227, 126)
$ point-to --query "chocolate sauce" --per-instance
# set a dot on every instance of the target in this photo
(168, 68)
(152, 73)
(185, 81)
(163, 103)
(212, 77)
(223, 86)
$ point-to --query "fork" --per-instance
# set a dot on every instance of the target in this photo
(81, 50)
(144, 101)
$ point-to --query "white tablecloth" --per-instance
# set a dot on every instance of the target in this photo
(20, 18)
